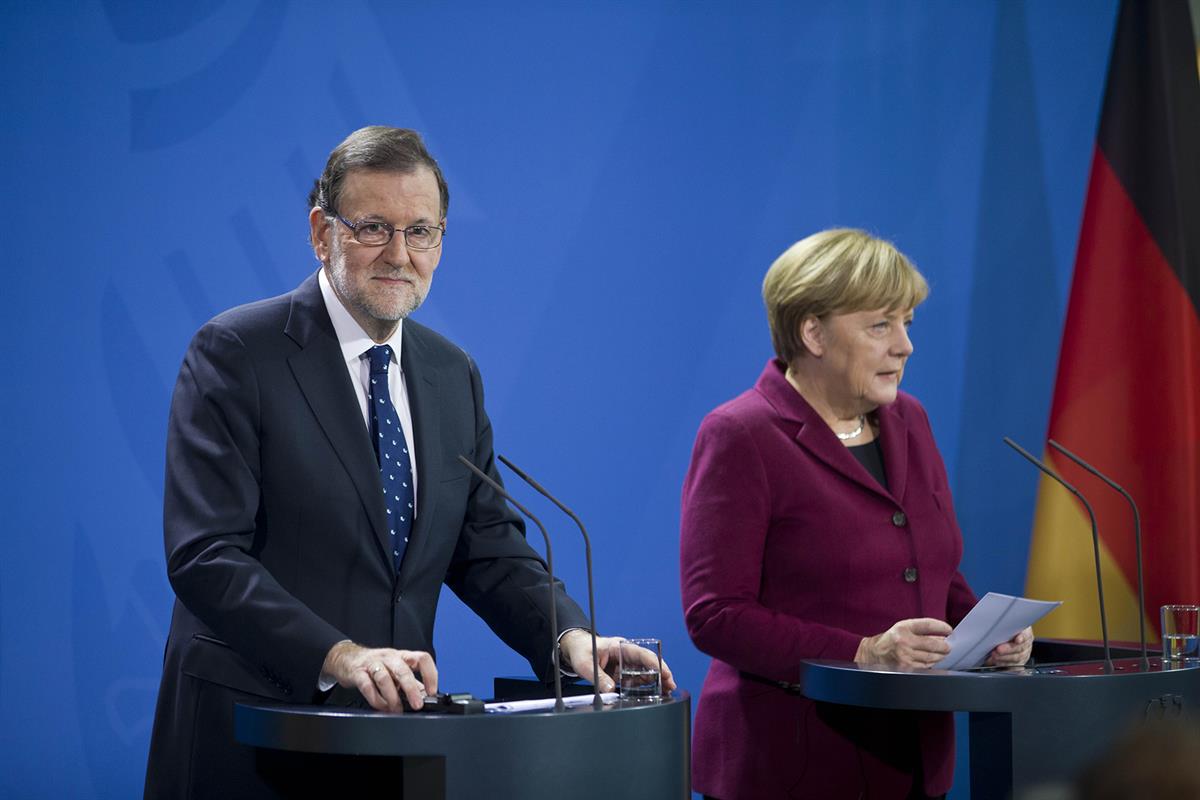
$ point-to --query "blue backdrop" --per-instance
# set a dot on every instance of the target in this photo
(158, 157)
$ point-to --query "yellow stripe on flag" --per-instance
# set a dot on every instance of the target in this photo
(1062, 567)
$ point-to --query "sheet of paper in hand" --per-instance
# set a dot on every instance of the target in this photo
(994, 619)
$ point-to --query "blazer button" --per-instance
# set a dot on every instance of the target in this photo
(910, 575)
(899, 520)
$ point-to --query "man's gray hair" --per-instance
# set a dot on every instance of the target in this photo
(375, 147)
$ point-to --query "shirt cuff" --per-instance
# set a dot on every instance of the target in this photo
(326, 682)
(567, 673)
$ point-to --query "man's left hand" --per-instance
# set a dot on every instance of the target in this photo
(1014, 652)
(576, 649)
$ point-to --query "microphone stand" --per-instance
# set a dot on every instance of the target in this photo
(558, 698)
(1137, 538)
(597, 702)
(1108, 665)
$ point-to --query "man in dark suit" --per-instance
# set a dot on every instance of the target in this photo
(314, 503)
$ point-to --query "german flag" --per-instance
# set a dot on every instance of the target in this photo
(1127, 396)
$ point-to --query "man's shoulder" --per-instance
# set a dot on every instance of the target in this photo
(265, 321)
(433, 345)
(270, 312)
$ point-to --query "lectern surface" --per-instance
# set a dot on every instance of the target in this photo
(628, 751)
(1028, 726)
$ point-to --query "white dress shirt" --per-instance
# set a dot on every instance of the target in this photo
(356, 345)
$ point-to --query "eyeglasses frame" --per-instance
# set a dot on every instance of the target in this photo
(353, 227)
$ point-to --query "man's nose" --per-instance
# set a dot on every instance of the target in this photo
(396, 251)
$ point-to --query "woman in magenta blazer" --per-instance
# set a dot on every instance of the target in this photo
(817, 523)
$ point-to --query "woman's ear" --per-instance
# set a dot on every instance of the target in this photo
(812, 335)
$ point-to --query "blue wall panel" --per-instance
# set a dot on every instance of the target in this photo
(622, 174)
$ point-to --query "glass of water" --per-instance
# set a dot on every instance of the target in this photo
(639, 670)
(1181, 634)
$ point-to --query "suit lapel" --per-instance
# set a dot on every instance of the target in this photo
(815, 437)
(813, 434)
(321, 374)
(893, 431)
(420, 380)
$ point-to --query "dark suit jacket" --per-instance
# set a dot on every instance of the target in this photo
(275, 536)
(792, 551)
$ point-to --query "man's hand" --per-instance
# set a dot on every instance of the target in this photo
(576, 648)
(909, 644)
(382, 674)
(1013, 653)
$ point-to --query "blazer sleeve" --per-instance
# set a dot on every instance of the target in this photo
(495, 571)
(960, 599)
(210, 506)
(726, 518)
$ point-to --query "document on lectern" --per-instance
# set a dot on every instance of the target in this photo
(547, 703)
(994, 620)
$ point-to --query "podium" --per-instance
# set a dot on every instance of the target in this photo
(1028, 726)
(635, 751)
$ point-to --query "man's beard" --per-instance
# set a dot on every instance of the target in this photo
(363, 301)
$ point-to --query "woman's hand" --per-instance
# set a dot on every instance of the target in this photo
(1013, 653)
(909, 644)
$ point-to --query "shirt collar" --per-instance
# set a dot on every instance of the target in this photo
(353, 340)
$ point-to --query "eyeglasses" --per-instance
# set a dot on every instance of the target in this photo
(377, 234)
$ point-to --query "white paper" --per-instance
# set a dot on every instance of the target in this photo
(547, 703)
(994, 620)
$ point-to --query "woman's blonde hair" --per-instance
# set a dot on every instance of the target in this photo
(841, 270)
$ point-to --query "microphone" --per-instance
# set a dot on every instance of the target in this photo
(1108, 665)
(1137, 538)
(597, 701)
(558, 700)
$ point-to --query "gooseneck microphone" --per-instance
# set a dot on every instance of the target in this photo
(1137, 538)
(597, 702)
(558, 700)
(1108, 665)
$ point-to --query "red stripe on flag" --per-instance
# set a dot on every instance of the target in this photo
(1128, 391)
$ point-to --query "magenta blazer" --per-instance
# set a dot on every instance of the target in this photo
(790, 550)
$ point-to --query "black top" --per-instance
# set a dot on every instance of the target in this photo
(870, 455)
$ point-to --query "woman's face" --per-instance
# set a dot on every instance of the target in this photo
(860, 356)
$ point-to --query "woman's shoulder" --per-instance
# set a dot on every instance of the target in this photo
(907, 404)
(909, 407)
(909, 411)
(748, 415)
(748, 406)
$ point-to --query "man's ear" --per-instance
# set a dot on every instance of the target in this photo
(812, 335)
(319, 233)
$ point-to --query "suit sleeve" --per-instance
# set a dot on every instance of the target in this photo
(495, 571)
(726, 518)
(210, 517)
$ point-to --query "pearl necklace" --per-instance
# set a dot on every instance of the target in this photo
(862, 421)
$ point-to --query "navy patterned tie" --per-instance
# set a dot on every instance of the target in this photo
(391, 448)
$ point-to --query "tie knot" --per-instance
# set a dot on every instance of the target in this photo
(381, 356)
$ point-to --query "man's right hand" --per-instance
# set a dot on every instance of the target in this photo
(382, 674)
(909, 644)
